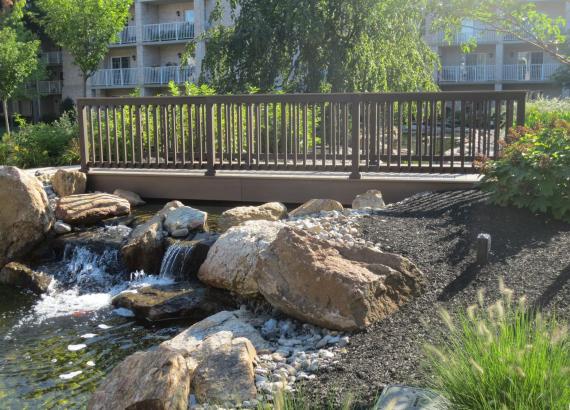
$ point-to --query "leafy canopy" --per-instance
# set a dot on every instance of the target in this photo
(518, 18)
(320, 45)
(84, 28)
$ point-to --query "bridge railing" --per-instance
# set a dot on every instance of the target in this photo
(441, 132)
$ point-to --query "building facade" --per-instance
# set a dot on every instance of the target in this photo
(499, 62)
(149, 54)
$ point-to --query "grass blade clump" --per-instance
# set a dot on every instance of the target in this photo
(503, 356)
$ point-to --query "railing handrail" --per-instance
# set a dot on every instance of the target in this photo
(306, 97)
(434, 131)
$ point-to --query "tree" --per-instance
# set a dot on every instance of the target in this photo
(84, 28)
(316, 45)
(517, 18)
(18, 55)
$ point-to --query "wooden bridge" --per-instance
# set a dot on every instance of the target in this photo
(291, 147)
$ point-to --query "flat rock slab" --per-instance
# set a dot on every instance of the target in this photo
(179, 301)
(157, 380)
(18, 275)
(90, 208)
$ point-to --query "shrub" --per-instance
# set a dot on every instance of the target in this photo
(543, 112)
(502, 357)
(39, 145)
(533, 171)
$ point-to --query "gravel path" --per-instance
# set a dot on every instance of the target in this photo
(438, 231)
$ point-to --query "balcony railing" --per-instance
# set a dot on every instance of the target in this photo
(164, 75)
(127, 36)
(467, 73)
(482, 36)
(129, 77)
(529, 72)
(45, 87)
(168, 32)
(111, 78)
(52, 57)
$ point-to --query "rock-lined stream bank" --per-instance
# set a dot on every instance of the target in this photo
(274, 295)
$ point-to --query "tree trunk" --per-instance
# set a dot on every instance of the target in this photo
(6, 118)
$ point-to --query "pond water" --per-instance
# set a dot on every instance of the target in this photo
(55, 349)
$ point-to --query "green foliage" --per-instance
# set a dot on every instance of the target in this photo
(502, 357)
(533, 172)
(84, 28)
(520, 19)
(307, 46)
(39, 145)
(18, 54)
(546, 111)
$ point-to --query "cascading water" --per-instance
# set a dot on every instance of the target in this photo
(175, 258)
(56, 348)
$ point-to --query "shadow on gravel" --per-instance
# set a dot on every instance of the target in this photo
(460, 283)
(543, 300)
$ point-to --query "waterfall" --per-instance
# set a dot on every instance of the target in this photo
(175, 260)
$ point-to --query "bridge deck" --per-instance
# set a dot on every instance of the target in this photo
(263, 186)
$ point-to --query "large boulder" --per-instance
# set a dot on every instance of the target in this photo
(25, 216)
(314, 206)
(18, 275)
(225, 372)
(342, 288)
(155, 380)
(231, 260)
(69, 182)
(133, 198)
(179, 301)
(184, 219)
(371, 199)
(90, 208)
(145, 246)
(272, 211)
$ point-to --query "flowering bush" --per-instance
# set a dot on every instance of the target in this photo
(533, 171)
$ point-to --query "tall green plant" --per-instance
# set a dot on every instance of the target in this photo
(502, 356)
(84, 28)
(18, 55)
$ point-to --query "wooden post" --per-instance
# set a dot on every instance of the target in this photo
(83, 133)
(355, 174)
(210, 170)
(521, 111)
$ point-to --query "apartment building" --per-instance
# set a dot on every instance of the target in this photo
(499, 62)
(149, 52)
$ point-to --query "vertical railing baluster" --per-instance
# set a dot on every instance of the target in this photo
(399, 135)
(355, 174)
(210, 143)
(165, 142)
(284, 131)
(173, 119)
(155, 120)
(92, 130)
(83, 122)
(452, 141)
(182, 136)
(116, 134)
(148, 136)
(419, 121)
(100, 129)
(314, 133)
(497, 131)
(139, 133)
(410, 118)
(324, 134)
(462, 134)
(305, 131)
(443, 129)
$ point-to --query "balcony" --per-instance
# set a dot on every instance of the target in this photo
(467, 74)
(45, 87)
(51, 57)
(152, 76)
(168, 32)
(115, 78)
(164, 75)
(126, 37)
(481, 37)
(530, 72)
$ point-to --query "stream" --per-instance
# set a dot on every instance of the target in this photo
(56, 348)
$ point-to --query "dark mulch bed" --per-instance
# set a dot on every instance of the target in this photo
(438, 231)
